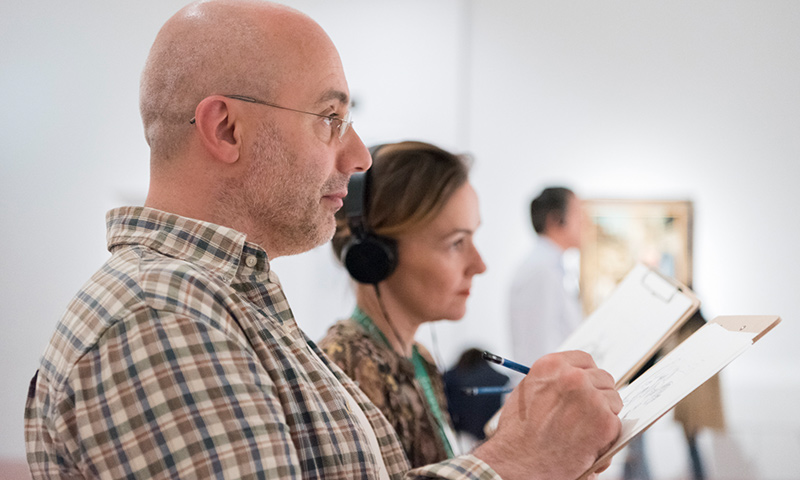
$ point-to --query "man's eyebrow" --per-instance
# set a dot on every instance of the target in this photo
(334, 95)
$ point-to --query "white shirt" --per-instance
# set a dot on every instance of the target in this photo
(542, 310)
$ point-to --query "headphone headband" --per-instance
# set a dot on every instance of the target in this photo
(355, 211)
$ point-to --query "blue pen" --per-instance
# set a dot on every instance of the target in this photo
(506, 363)
(486, 390)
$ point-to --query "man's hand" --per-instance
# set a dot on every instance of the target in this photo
(557, 422)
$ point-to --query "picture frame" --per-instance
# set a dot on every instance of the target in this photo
(618, 233)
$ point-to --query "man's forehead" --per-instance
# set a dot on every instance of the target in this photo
(313, 74)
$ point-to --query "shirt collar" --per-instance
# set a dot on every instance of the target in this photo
(550, 246)
(219, 249)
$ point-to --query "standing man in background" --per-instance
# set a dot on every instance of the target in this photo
(544, 307)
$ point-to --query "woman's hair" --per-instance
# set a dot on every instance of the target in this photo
(409, 184)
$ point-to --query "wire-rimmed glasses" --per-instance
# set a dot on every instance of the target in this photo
(338, 125)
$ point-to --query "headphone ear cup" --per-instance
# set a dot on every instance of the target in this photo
(370, 259)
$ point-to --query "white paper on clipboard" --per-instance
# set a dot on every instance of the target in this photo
(681, 371)
(633, 322)
(630, 325)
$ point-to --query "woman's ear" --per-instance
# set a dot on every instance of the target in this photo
(216, 125)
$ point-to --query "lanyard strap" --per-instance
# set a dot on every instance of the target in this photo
(420, 374)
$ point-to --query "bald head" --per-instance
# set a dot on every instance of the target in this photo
(244, 47)
(273, 168)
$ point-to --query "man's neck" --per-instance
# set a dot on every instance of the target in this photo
(205, 208)
(557, 241)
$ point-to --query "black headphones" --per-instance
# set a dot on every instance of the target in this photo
(368, 258)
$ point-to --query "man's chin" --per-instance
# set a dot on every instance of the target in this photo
(327, 233)
(313, 238)
(323, 240)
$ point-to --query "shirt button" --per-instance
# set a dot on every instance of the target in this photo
(251, 261)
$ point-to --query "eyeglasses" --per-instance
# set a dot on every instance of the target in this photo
(338, 125)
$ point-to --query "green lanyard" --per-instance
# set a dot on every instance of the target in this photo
(420, 373)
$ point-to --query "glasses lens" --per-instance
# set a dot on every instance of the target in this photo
(344, 124)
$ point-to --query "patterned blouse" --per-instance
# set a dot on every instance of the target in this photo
(388, 380)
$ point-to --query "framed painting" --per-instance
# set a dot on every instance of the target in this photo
(618, 233)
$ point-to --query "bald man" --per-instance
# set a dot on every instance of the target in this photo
(180, 357)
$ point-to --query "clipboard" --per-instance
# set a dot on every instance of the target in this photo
(707, 351)
(632, 324)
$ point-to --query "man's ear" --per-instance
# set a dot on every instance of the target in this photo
(551, 221)
(216, 126)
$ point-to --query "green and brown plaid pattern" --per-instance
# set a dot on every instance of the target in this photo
(180, 358)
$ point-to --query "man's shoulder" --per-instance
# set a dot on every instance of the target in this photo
(135, 284)
(536, 266)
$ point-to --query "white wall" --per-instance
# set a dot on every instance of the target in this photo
(669, 100)
(679, 99)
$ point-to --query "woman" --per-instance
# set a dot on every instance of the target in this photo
(419, 205)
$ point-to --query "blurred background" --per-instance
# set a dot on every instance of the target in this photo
(673, 101)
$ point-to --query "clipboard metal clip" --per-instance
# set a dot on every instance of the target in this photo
(659, 286)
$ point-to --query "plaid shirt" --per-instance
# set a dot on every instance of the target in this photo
(180, 358)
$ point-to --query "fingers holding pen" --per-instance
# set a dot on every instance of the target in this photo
(581, 385)
(600, 381)
(565, 410)
(571, 369)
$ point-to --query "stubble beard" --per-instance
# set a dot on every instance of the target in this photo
(279, 200)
